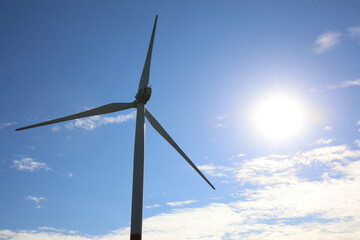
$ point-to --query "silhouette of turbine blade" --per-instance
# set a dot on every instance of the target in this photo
(108, 108)
(144, 80)
(167, 137)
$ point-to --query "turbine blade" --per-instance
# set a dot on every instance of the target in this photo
(109, 108)
(165, 135)
(144, 80)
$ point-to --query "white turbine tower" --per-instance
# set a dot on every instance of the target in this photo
(142, 97)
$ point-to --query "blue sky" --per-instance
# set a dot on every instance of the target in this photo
(214, 63)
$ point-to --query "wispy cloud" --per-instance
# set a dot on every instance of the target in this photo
(152, 206)
(28, 164)
(216, 171)
(240, 155)
(36, 200)
(91, 123)
(357, 142)
(323, 141)
(327, 41)
(56, 128)
(327, 128)
(6, 124)
(343, 84)
(275, 169)
(352, 83)
(220, 117)
(218, 121)
(51, 229)
(180, 203)
(354, 32)
(57, 230)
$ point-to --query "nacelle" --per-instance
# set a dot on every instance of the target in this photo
(143, 95)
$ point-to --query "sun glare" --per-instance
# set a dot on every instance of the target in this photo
(278, 117)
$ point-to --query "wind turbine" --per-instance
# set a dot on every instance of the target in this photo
(141, 98)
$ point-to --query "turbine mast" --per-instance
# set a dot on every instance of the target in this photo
(138, 175)
(142, 96)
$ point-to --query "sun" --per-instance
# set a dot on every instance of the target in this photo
(278, 117)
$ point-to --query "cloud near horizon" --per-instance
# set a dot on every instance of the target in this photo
(273, 197)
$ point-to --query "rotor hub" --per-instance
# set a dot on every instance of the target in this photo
(143, 95)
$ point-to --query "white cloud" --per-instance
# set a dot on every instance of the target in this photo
(28, 164)
(180, 203)
(240, 155)
(51, 229)
(357, 142)
(153, 206)
(218, 121)
(327, 128)
(7, 124)
(276, 169)
(266, 170)
(70, 175)
(326, 41)
(323, 141)
(219, 125)
(325, 155)
(91, 123)
(354, 32)
(284, 203)
(57, 230)
(36, 200)
(351, 83)
(56, 128)
(343, 84)
(216, 171)
(221, 117)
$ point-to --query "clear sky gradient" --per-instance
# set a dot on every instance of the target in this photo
(213, 63)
